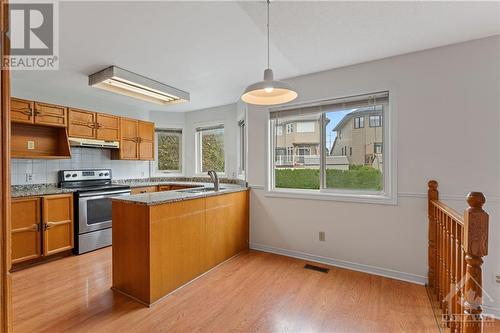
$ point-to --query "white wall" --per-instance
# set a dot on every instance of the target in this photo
(225, 114)
(447, 105)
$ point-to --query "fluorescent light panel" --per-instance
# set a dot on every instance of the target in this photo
(127, 83)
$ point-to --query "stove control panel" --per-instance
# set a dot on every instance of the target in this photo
(78, 175)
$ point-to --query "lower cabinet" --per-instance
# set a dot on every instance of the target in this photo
(41, 226)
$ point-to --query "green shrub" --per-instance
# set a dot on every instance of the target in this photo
(357, 177)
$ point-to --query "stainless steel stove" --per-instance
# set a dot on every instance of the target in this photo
(93, 192)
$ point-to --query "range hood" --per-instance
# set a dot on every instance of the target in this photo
(77, 142)
(121, 81)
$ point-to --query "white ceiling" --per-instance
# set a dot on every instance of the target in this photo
(214, 49)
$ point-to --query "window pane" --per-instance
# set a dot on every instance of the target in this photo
(354, 161)
(296, 153)
(212, 149)
(169, 151)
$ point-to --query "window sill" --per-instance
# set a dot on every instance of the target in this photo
(381, 199)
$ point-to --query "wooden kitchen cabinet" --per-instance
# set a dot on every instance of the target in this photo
(22, 111)
(37, 113)
(158, 248)
(146, 131)
(50, 115)
(93, 125)
(34, 234)
(129, 149)
(25, 229)
(81, 124)
(108, 127)
(137, 140)
(57, 223)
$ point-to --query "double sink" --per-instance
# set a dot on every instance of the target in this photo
(201, 190)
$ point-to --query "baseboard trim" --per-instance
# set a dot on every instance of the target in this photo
(407, 277)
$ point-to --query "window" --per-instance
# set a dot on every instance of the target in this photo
(359, 122)
(279, 130)
(289, 128)
(351, 166)
(375, 121)
(305, 127)
(210, 149)
(242, 146)
(169, 150)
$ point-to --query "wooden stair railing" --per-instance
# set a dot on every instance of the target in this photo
(456, 247)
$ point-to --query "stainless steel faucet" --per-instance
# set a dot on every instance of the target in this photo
(215, 179)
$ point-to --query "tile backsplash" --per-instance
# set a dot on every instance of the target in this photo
(45, 171)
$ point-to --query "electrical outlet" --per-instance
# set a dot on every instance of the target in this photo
(31, 145)
(497, 279)
(29, 177)
(322, 236)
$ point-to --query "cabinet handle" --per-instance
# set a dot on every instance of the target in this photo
(91, 125)
(98, 125)
(48, 225)
(35, 227)
(36, 112)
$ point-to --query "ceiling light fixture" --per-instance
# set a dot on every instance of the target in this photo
(269, 91)
(121, 81)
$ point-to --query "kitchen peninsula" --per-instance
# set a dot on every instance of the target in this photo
(163, 240)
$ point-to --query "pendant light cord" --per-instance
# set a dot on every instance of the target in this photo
(268, 5)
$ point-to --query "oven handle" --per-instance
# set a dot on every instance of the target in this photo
(104, 194)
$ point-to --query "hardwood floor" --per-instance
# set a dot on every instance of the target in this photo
(254, 292)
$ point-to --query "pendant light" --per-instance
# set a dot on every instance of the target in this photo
(269, 91)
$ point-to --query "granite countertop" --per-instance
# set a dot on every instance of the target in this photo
(32, 190)
(187, 181)
(158, 198)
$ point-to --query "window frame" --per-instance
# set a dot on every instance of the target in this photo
(154, 164)
(361, 122)
(242, 148)
(198, 149)
(379, 122)
(387, 196)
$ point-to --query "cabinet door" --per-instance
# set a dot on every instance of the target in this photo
(57, 223)
(128, 144)
(146, 140)
(51, 115)
(25, 230)
(108, 127)
(81, 124)
(21, 111)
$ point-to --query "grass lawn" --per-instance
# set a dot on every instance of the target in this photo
(357, 177)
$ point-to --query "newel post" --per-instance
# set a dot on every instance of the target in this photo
(475, 242)
(432, 194)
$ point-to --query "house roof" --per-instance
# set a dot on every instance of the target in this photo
(368, 111)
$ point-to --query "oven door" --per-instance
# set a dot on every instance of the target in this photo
(94, 210)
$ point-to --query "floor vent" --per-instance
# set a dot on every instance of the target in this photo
(316, 268)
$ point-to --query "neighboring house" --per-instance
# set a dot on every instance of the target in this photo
(296, 139)
(360, 137)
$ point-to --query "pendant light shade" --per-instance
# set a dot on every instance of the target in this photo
(268, 91)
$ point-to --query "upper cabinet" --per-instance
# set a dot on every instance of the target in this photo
(51, 115)
(29, 112)
(81, 124)
(50, 140)
(22, 111)
(137, 140)
(93, 125)
(146, 140)
(108, 127)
